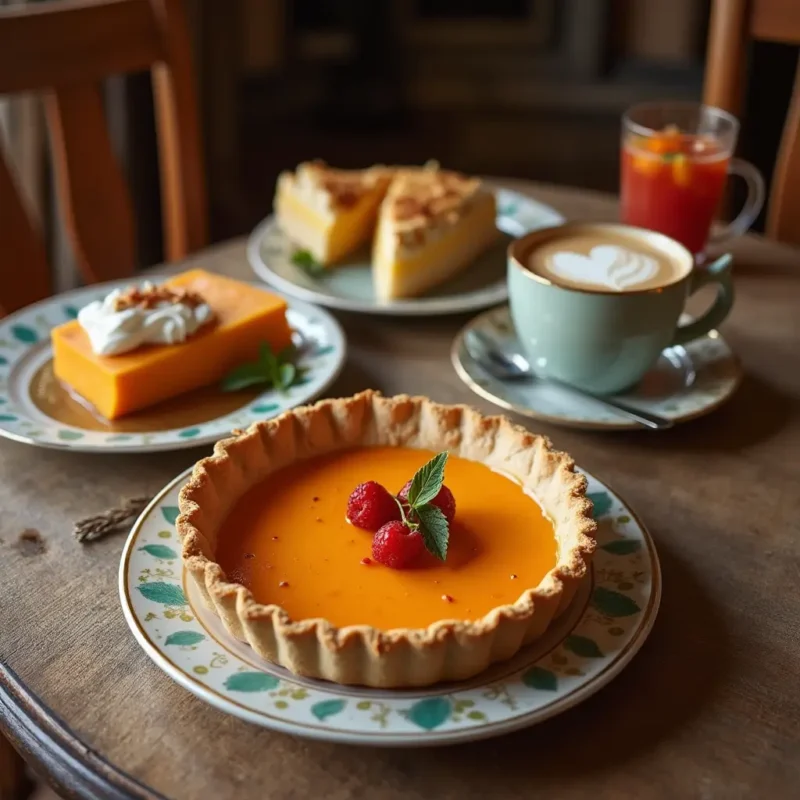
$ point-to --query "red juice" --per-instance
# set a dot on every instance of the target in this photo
(672, 183)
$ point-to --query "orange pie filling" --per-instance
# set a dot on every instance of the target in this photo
(288, 541)
(267, 541)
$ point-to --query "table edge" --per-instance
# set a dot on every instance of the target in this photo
(55, 752)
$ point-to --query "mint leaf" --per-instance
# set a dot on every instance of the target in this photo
(307, 262)
(434, 530)
(303, 258)
(276, 371)
(266, 357)
(289, 353)
(421, 515)
(286, 375)
(243, 376)
(427, 481)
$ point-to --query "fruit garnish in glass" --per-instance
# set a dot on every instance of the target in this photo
(676, 158)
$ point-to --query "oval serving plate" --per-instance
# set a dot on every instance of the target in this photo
(588, 646)
(25, 353)
(349, 285)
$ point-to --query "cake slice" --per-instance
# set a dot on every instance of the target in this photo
(432, 225)
(242, 318)
(330, 212)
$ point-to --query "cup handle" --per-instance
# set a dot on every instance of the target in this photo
(719, 272)
(752, 204)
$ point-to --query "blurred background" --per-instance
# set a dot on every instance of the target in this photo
(525, 88)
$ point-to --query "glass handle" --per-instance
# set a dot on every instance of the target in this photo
(756, 193)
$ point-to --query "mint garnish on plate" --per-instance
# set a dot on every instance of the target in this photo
(278, 371)
(307, 262)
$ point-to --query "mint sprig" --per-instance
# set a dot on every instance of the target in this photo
(434, 529)
(427, 481)
(278, 371)
(306, 261)
(422, 515)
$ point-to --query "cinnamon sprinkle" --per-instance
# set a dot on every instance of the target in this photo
(424, 197)
(345, 187)
(152, 296)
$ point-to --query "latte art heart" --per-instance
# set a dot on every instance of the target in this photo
(606, 265)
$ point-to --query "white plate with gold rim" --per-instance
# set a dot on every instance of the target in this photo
(589, 645)
(35, 409)
(687, 382)
(349, 285)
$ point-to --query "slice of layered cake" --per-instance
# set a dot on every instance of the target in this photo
(432, 225)
(330, 212)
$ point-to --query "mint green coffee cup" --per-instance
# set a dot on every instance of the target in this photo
(594, 305)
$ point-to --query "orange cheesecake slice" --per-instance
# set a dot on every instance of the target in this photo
(243, 317)
(433, 224)
(330, 212)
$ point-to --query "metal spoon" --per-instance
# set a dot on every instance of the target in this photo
(509, 365)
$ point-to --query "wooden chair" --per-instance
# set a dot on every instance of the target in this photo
(64, 50)
(733, 23)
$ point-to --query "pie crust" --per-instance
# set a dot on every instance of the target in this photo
(447, 650)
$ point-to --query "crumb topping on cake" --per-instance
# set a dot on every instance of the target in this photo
(421, 201)
(327, 189)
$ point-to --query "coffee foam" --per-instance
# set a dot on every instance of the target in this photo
(603, 262)
(607, 265)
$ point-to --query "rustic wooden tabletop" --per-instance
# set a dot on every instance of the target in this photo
(708, 709)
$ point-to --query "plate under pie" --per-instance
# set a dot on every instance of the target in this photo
(582, 650)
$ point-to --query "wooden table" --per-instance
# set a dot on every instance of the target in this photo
(709, 709)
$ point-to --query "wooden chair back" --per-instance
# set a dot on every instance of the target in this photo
(733, 24)
(64, 50)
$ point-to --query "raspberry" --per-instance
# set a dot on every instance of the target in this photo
(395, 545)
(444, 500)
(370, 506)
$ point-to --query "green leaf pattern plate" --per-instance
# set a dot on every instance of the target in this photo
(589, 645)
(25, 347)
(349, 286)
(687, 382)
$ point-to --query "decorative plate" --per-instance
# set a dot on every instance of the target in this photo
(349, 285)
(28, 414)
(588, 646)
(687, 382)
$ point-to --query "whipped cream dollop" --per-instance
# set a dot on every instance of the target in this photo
(118, 323)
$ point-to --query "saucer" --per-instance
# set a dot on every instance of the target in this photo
(687, 382)
(35, 409)
(349, 286)
(591, 643)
